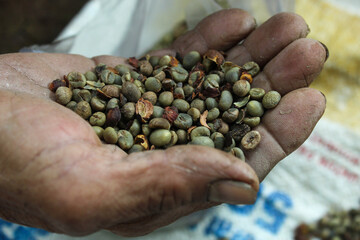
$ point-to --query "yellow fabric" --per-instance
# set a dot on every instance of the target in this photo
(340, 80)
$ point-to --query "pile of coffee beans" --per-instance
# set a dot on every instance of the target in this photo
(159, 102)
(336, 225)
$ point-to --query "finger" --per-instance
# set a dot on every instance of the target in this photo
(294, 67)
(269, 39)
(220, 31)
(111, 61)
(285, 128)
(177, 178)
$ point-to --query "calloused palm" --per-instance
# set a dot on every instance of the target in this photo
(57, 175)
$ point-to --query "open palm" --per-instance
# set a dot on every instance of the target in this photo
(57, 175)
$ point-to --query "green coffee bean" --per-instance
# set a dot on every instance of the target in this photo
(230, 115)
(76, 79)
(135, 128)
(237, 152)
(181, 105)
(179, 74)
(98, 104)
(153, 84)
(146, 130)
(226, 100)
(199, 131)
(99, 131)
(255, 108)
(232, 75)
(183, 121)
(194, 113)
(131, 91)
(252, 68)
(252, 121)
(90, 76)
(213, 114)
(173, 141)
(241, 88)
(182, 136)
(159, 123)
(125, 140)
(160, 137)
(83, 109)
(203, 141)
(166, 98)
(128, 110)
(218, 140)
(122, 69)
(63, 95)
(191, 59)
(71, 105)
(110, 135)
(136, 148)
(97, 119)
(211, 103)
(271, 99)
(257, 93)
(157, 112)
(199, 104)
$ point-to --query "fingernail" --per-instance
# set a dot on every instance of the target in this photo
(326, 50)
(227, 191)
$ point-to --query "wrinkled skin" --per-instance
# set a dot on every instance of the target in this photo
(55, 173)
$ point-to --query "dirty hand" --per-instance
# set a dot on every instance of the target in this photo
(56, 174)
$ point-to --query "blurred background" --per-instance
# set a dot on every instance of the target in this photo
(327, 167)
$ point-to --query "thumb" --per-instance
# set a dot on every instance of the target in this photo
(155, 188)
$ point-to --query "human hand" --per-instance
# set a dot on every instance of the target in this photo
(55, 173)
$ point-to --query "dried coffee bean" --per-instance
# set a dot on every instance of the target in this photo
(164, 60)
(194, 113)
(251, 140)
(122, 69)
(157, 112)
(230, 115)
(252, 68)
(211, 81)
(140, 86)
(226, 100)
(131, 91)
(150, 96)
(128, 110)
(182, 136)
(203, 141)
(179, 74)
(160, 137)
(252, 121)
(63, 95)
(183, 121)
(71, 105)
(213, 114)
(211, 103)
(191, 59)
(83, 109)
(199, 131)
(239, 131)
(76, 79)
(255, 108)
(154, 60)
(257, 93)
(159, 123)
(135, 128)
(179, 93)
(173, 141)
(90, 76)
(111, 90)
(99, 131)
(166, 98)
(221, 126)
(218, 139)
(181, 105)
(241, 88)
(112, 103)
(271, 99)
(188, 90)
(232, 75)
(98, 104)
(97, 119)
(110, 135)
(145, 68)
(113, 117)
(199, 104)
(237, 152)
(146, 130)
(168, 85)
(107, 76)
(125, 139)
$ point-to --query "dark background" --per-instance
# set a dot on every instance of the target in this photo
(27, 22)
